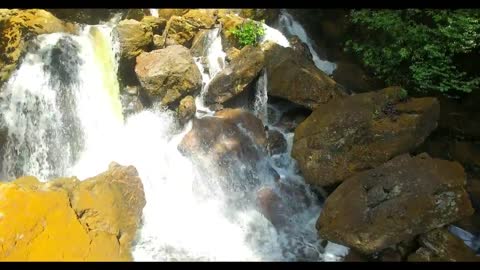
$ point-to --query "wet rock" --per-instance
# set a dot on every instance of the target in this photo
(168, 74)
(200, 43)
(186, 109)
(293, 77)
(360, 132)
(229, 149)
(229, 21)
(394, 202)
(442, 246)
(100, 216)
(17, 28)
(167, 13)
(276, 142)
(236, 77)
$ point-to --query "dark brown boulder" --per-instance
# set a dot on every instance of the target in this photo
(394, 202)
(360, 132)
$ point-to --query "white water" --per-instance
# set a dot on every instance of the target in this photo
(272, 34)
(261, 98)
(180, 220)
(289, 26)
(154, 12)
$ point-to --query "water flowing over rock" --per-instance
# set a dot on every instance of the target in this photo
(168, 74)
(295, 78)
(70, 220)
(360, 132)
(441, 246)
(17, 27)
(233, 139)
(276, 142)
(235, 78)
(85, 16)
(394, 202)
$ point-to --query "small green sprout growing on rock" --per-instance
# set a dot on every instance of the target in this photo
(249, 32)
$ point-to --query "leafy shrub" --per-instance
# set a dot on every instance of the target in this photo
(249, 32)
(417, 48)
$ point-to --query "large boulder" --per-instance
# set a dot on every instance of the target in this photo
(229, 148)
(17, 28)
(235, 78)
(134, 37)
(229, 21)
(404, 197)
(168, 74)
(442, 246)
(70, 220)
(182, 29)
(294, 77)
(360, 132)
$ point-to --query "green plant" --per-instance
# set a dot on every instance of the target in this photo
(418, 49)
(403, 94)
(249, 32)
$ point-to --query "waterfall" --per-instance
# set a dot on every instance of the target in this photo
(45, 102)
(209, 65)
(289, 26)
(261, 98)
(62, 112)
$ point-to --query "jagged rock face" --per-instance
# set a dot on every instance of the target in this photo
(360, 132)
(235, 78)
(134, 37)
(70, 220)
(17, 27)
(442, 246)
(404, 197)
(182, 29)
(168, 74)
(292, 76)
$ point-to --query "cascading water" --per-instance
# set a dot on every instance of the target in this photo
(66, 91)
(48, 100)
(261, 98)
(289, 26)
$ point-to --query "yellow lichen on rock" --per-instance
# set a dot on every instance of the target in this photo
(71, 220)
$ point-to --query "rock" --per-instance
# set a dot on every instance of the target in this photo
(70, 220)
(258, 14)
(229, 21)
(200, 43)
(353, 77)
(231, 54)
(354, 256)
(247, 121)
(136, 14)
(85, 16)
(277, 144)
(441, 246)
(181, 30)
(134, 36)
(17, 28)
(360, 132)
(229, 150)
(158, 42)
(186, 109)
(271, 206)
(300, 48)
(297, 79)
(156, 24)
(168, 74)
(235, 78)
(465, 152)
(131, 104)
(167, 13)
(394, 202)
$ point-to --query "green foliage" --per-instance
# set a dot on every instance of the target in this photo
(403, 94)
(417, 48)
(249, 32)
